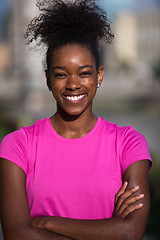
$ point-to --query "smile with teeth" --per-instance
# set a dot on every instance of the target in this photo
(75, 98)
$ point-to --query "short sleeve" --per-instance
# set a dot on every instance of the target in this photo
(13, 148)
(134, 148)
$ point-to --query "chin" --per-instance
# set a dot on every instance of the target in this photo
(74, 111)
(71, 114)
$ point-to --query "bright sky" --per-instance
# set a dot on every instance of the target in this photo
(112, 6)
(3, 7)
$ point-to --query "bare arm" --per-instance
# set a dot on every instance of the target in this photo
(119, 228)
(14, 211)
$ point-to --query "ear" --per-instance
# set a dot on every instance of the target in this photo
(48, 79)
(100, 75)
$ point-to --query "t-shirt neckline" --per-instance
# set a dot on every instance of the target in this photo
(88, 135)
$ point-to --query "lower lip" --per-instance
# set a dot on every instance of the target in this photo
(74, 101)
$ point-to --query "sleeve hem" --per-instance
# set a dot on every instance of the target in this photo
(15, 162)
(138, 159)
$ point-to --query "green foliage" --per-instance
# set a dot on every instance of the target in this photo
(5, 126)
(153, 223)
(156, 69)
(4, 130)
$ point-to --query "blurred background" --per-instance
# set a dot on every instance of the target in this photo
(129, 95)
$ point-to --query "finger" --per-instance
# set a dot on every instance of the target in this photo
(130, 209)
(121, 190)
(126, 195)
(130, 201)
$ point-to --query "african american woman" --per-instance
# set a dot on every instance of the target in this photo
(74, 175)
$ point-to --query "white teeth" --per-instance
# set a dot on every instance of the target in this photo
(74, 98)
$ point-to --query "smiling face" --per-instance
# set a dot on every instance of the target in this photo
(73, 78)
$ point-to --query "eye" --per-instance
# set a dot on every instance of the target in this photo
(60, 75)
(85, 74)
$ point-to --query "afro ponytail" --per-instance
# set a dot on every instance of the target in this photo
(62, 22)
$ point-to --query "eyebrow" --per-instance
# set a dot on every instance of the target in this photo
(58, 67)
(85, 66)
(63, 68)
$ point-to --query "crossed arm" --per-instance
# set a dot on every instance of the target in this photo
(128, 221)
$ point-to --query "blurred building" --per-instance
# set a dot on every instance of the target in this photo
(4, 57)
(22, 70)
(135, 50)
(138, 37)
(128, 62)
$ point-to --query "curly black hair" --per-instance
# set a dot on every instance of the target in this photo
(67, 22)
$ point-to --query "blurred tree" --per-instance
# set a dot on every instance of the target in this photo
(4, 7)
(156, 70)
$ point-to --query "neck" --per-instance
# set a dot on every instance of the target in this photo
(73, 126)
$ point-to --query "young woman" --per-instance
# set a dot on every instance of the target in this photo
(74, 175)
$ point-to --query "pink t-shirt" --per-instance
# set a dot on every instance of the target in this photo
(74, 178)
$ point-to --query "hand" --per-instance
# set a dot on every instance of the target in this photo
(126, 201)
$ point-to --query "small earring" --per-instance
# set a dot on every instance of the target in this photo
(50, 89)
(98, 85)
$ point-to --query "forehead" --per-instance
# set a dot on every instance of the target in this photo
(72, 53)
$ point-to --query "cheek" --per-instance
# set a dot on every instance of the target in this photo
(56, 90)
(91, 84)
(58, 86)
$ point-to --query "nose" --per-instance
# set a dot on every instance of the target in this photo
(73, 83)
